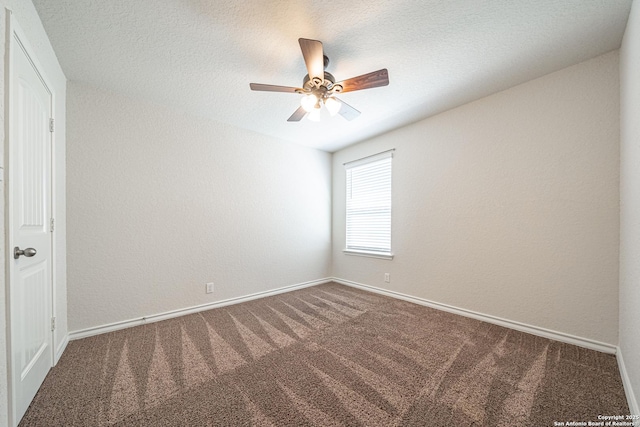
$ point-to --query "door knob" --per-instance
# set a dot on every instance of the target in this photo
(29, 252)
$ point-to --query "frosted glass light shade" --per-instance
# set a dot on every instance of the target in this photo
(333, 105)
(309, 102)
(314, 115)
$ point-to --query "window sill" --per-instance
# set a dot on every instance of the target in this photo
(367, 254)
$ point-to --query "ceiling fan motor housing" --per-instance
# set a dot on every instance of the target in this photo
(321, 89)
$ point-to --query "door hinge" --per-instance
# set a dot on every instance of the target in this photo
(53, 323)
(50, 125)
(52, 223)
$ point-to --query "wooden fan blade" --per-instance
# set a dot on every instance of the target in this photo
(313, 58)
(347, 111)
(297, 115)
(273, 88)
(365, 81)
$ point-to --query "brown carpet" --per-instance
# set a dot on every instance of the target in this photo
(328, 355)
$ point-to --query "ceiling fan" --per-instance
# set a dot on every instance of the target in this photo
(319, 87)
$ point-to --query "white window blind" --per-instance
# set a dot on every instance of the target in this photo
(369, 205)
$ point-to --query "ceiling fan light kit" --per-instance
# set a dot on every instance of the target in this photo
(319, 87)
(309, 102)
(333, 105)
(315, 115)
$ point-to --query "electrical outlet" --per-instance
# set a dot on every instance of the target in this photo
(210, 287)
(387, 278)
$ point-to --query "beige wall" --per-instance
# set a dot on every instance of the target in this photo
(161, 203)
(630, 201)
(507, 206)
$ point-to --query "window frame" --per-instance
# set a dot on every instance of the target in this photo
(384, 155)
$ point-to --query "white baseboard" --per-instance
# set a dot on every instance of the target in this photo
(61, 347)
(628, 389)
(96, 330)
(523, 327)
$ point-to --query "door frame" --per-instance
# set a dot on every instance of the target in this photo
(16, 39)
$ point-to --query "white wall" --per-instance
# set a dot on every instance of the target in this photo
(630, 201)
(507, 206)
(160, 203)
(27, 17)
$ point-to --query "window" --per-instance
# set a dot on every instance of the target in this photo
(369, 206)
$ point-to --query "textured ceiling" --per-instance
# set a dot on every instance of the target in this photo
(199, 56)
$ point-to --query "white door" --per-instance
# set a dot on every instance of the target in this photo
(29, 215)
